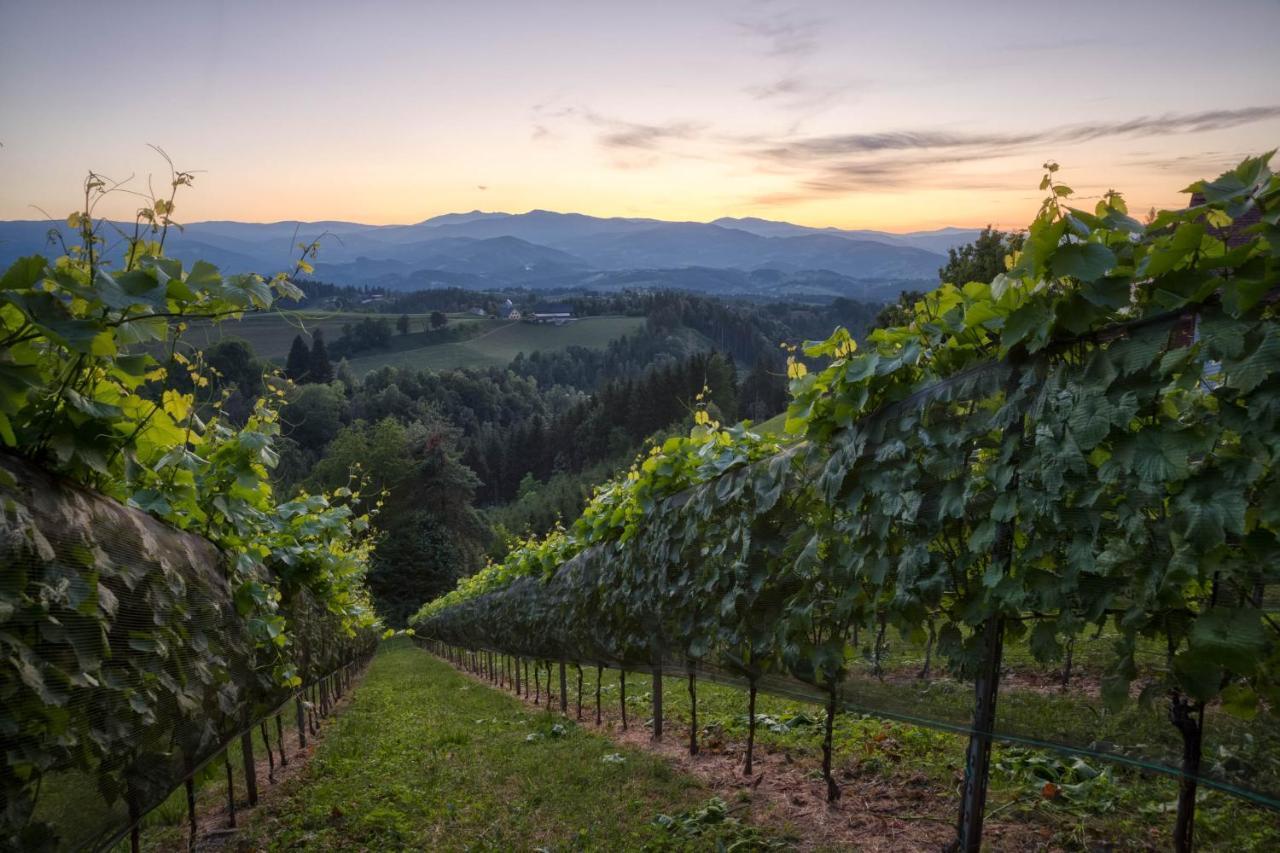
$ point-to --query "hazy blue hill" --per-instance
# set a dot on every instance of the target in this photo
(498, 260)
(543, 226)
(266, 231)
(938, 240)
(495, 255)
(459, 218)
(669, 244)
(697, 244)
(858, 258)
(543, 248)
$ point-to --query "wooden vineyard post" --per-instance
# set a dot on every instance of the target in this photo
(284, 758)
(302, 726)
(977, 764)
(693, 712)
(1189, 721)
(751, 727)
(135, 831)
(517, 673)
(828, 747)
(192, 825)
(622, 691)
(564, 690)
(250, 776)
(231, 788)
(271, 758)
(599, 677)
(657, 701)
(579, 668)
(190, 784)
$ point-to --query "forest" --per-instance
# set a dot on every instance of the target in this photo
(470, 460)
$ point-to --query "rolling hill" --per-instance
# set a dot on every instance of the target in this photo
(497, 346)
(545, 249)
(493, 343)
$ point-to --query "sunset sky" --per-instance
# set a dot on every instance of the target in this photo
(897, 115)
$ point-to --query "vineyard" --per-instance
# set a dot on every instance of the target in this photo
(1041, 512)
(159, 602)
(1069, 469)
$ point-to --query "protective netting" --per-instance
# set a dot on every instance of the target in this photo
(1116, 557)
(127, 665)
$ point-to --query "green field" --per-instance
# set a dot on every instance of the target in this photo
(271, 332)
(503, 341)
(495, 342)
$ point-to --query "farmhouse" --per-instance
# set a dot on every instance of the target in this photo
(557, 314)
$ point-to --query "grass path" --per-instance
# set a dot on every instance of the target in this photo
(425, 758)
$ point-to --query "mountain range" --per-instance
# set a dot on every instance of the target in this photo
(545, 249)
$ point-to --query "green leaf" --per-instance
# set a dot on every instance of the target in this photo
(1185, 240)
(1029, 324)
(1083, 261)
(1159, 457)
(1233, 637)
(1090, 420)
(1258, 365)
(24, 273)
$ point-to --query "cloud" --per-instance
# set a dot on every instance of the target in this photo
(1202, 161)
(842, 163)
(783, 86)
(999, 143)
(788, 35)
(625, 134)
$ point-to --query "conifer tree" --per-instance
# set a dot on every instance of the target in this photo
(321, 369)
(299, 363)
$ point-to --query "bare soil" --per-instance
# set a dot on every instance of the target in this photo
(787, 796)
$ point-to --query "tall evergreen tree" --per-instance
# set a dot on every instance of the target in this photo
(299, 363)
(321, 369)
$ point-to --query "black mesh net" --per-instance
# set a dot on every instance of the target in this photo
(127, 664)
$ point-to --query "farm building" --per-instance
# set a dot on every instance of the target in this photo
(557, 314)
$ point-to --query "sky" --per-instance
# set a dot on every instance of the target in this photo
(896, 116)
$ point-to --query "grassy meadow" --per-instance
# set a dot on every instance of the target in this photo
(486, 343)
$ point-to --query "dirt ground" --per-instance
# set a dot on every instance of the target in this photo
(873, 814)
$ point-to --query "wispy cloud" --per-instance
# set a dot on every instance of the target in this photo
(789, 34)
(996, 144)
(616, 135)
(842, 163)
(789, 85)
(626, 134)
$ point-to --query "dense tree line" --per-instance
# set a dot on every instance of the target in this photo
(469, 458)
(608, 425)
(441, 444)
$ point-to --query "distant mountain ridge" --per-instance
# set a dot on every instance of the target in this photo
(543, 248)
